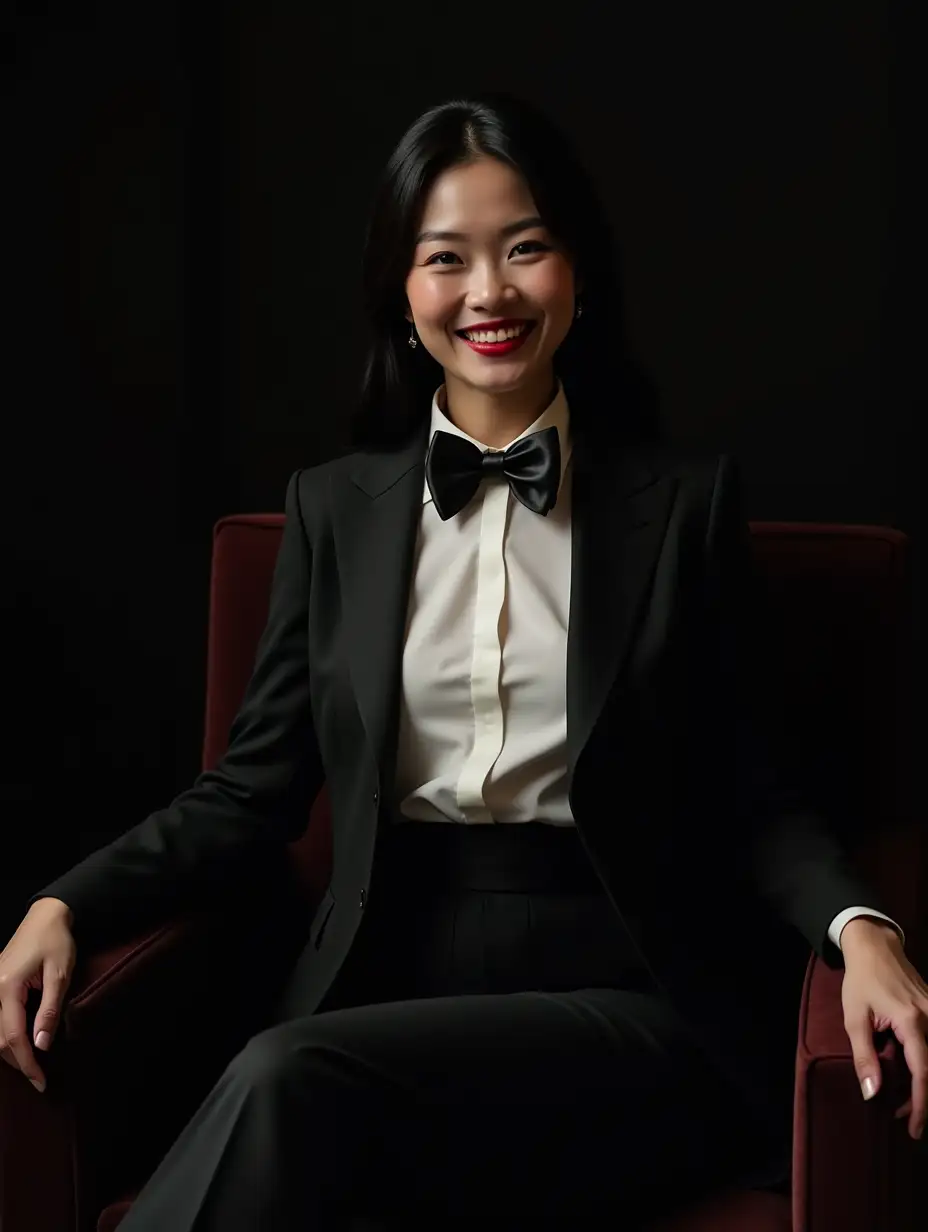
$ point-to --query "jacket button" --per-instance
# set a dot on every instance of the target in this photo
(376, 796)
(363, 898)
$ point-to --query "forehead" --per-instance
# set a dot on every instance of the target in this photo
(487, 191)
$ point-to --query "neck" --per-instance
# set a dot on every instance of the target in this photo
(496, 419)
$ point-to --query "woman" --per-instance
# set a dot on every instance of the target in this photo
(524, 685)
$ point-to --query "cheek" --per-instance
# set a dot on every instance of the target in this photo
(429, 300)
(552, 288)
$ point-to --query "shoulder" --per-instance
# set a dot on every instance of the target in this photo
(696, 470)
(687, 462)
(708, 490)
(310, 483)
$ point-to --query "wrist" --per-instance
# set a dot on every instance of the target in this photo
(865, 931)
(53, 906)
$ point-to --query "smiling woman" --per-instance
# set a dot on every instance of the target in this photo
(492, 295)
(489, 268)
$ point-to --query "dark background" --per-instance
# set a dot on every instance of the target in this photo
(184, 198)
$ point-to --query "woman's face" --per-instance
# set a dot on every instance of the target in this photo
(485, 264)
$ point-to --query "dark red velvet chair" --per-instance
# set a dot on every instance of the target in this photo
(130, 1064)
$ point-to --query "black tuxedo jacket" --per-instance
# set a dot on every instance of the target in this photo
(705, 852)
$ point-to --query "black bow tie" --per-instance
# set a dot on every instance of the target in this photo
(532, 464)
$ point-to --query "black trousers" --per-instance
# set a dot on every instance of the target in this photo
(492, 1048)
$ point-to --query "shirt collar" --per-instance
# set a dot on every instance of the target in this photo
(555, 415)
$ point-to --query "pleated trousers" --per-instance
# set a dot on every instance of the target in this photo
(492, 1049)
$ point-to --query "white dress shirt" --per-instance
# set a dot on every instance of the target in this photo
(483, 715)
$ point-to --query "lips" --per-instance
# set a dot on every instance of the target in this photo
(503, 323)
(507, 346)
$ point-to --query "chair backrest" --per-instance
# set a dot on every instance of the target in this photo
(835, 596)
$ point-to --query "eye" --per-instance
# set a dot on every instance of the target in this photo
(435, 258)
(531, 246)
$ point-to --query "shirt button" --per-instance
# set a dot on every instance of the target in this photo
(363, 898)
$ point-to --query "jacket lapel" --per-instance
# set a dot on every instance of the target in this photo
(621, 505)
(377, 510)
(621, 502)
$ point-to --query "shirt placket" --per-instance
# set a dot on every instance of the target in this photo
(486, 660)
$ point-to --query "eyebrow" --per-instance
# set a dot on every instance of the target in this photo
(512, 228)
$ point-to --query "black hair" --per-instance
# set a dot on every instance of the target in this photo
(600, 376)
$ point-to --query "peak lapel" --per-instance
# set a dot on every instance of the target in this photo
(376, 522)
(621, 505)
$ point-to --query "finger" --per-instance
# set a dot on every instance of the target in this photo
(5, 1050)
(48, 1017)
(916, 1057)
(7, 1054)
(17, 1040)
(866, 1062)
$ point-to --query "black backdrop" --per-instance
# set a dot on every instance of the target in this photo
(184, 197)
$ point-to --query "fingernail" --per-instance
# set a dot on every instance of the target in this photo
(920, 1130)
(43, 1040)
(868, 1086)
(38, 1083)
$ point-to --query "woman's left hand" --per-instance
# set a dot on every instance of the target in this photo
(882, 991)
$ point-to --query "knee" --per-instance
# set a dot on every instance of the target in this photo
(284, 1054)
(269, 1057)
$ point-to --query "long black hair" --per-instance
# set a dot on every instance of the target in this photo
(600, 376)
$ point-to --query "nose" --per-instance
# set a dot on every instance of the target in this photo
(489, 289)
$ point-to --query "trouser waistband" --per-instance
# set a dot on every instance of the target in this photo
(515, 856)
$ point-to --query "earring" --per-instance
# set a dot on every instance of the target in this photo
(579, 311)
(413, 343)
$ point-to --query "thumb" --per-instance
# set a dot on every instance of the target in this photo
(866, 1062)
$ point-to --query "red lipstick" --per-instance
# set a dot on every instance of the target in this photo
(507, 346)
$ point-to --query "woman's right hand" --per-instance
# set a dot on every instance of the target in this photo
(40, 954)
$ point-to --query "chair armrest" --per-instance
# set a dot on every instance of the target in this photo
(853, 1163)
(119, 1076)
(147, 1028)
(36, 1173)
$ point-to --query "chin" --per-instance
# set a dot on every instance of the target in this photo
(501, 382)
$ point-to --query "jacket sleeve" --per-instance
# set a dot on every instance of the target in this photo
(257, 798)
(793, 859)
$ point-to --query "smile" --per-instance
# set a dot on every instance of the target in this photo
(501, 340)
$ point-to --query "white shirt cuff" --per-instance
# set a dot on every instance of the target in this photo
(851, 913)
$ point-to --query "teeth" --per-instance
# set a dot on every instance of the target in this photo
(495, 335)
